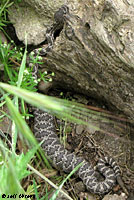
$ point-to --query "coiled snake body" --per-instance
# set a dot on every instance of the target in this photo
(44, 129)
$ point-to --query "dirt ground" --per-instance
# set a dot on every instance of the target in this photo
(115, 138)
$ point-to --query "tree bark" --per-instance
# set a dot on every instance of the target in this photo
(94, 53)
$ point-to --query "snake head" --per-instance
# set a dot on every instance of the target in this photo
(59, 15)
(65, 9)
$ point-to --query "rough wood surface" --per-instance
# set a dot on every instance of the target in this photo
(97, 59)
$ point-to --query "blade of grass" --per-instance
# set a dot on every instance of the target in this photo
(69, 175)
(22, 68)
(35, 190)
(55, 105)
(48, 181)
(64, 109)
(5, 5)
(9, 180)
(20, 77)
(59, 107)
(23, 127)
(19, 121)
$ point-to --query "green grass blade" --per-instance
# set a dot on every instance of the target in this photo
(20, 122)
(69, 175)
(35, 190)
(48, 181)
(20, 78)
(23, 127)
(50, 104)
(9, 180)
(64, 109)
(22, 68)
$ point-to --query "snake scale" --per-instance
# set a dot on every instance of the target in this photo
(44, 129)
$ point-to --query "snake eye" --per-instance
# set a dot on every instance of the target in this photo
(65, 9)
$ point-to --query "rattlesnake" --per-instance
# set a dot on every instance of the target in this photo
(44, 129)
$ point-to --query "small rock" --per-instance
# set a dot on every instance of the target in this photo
(79, 187)
(79, 129)
(86, 195)
(60, 196)
(3, 37)
(115, 197)
(44, 87)
(26, 20)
